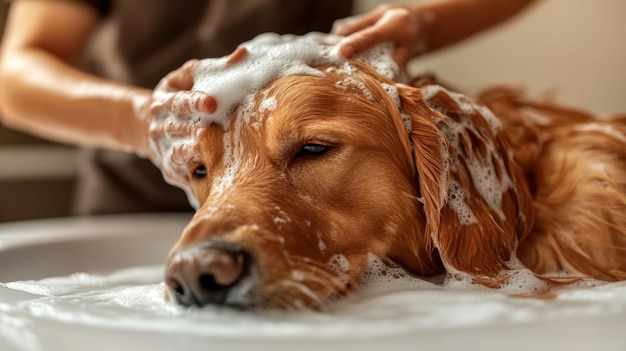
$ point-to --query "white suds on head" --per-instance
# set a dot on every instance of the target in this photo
(268, 104)
(355, 83)
(271, 56)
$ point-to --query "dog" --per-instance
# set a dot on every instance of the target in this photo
(329, 171)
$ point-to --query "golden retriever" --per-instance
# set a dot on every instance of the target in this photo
(297, 199)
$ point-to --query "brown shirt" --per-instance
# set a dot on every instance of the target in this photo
(141, 41)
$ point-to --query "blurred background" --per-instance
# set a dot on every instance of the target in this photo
(574, 48)
(36, 177)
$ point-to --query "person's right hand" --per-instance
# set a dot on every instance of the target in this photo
(386, 23)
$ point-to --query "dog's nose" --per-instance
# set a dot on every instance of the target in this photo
(204, 275)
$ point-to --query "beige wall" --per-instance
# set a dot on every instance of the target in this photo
(577, 47)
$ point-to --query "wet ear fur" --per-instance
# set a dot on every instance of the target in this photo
(427, 143)
(483, 247)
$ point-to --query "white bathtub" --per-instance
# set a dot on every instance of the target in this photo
(122, 308)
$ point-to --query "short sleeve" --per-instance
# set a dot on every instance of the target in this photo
(102, 6)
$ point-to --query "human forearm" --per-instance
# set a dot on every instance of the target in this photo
(43, 92)
(42, 95)
(417, 28)
(445, 22)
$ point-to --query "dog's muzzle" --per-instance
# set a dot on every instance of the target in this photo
(207, 273)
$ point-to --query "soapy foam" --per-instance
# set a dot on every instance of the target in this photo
(321, 245)
(339, 263)
(483, 172)
(392, 91)
(280, 218)
(268, 104)
(271, 56)
(381, 278)
(352, 82)
(390, 303)
(457, 201)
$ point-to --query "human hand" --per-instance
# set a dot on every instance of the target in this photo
(386, 23)
(177, 117)
(175, 114)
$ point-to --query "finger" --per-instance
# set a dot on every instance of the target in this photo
(161, 103)
(177, 129)
(183, 103)
(395, 25)
(156, 133)
(347, 26)
(183, 153)
(236, 56)
(182, 78)
(350, 25)
(206, 104)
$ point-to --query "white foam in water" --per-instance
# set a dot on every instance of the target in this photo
(128, 305)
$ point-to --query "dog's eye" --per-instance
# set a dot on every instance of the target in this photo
(199, 172)
(313, 149)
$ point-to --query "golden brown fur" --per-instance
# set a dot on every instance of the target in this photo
(311, 222)
(577, 173)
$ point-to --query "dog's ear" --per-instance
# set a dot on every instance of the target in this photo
(428, 144)
(467, 182)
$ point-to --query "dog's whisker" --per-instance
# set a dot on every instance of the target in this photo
(304, 291)
(332, 284)
(289, 294)
(323, 270)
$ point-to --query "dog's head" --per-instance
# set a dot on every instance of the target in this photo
(315, 175)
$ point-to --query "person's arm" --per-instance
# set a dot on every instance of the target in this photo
(424, 26)
(42, 92)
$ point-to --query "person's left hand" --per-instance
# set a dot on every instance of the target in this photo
(175, 113)
(386, 23)
(177, 116)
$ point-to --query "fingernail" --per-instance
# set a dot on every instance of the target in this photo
(209, 104)
(237, 55)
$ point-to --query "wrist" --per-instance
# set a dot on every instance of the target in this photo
(424, 18)
(133, 124)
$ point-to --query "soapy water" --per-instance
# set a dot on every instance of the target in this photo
(390, 304)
